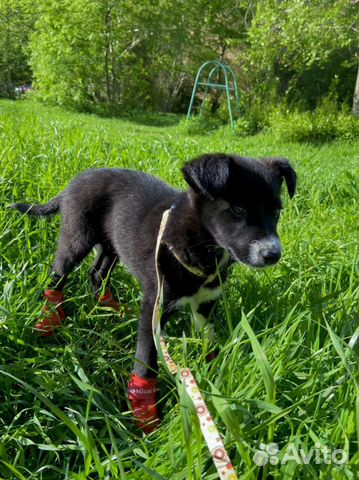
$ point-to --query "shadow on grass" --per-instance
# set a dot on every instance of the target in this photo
(149, 119)
(154, 119)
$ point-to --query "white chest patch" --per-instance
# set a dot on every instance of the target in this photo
(204, 294)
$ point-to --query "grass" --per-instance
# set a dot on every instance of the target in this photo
(288, 368)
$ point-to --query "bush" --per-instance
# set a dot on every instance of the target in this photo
(328, 122)
(299, 51)
(206, 121)
(324, 124)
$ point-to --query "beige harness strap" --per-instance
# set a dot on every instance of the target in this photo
(214, 442)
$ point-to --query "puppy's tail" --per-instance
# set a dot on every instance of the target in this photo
(50, 208)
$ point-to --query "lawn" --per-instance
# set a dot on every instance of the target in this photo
(288, 368)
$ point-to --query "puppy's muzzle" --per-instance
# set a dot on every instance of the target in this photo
(264, 252)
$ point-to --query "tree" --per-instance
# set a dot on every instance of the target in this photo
(303, 51)
(16, 23)
(129, 54)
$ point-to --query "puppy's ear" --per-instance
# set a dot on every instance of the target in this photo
(284, 169)
(208, 174)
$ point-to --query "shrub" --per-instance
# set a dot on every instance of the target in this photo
(206, 121)
(322, 125)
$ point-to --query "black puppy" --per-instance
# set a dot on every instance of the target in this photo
(229, 214)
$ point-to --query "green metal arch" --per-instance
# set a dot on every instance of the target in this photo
(229, 85)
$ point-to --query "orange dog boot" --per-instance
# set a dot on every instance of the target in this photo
(53, 313)
(142, 396)
(107, 300)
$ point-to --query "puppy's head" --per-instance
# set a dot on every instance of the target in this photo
(239, 203)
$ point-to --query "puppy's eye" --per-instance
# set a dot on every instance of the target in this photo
(238, 211)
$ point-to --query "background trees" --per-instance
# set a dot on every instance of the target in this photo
(16, 23)
(144, 55)
(304, 51)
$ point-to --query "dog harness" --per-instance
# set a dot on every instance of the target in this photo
(214, 442)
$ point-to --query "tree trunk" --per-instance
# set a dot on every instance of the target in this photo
(355, 109)
(107, 53)
(9, 87)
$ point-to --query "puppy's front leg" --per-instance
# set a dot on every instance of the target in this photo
(201, 316)
(146, 355)
(142, 388)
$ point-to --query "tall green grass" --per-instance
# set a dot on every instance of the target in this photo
(288, 367)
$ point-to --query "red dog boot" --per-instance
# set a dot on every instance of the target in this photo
(53, 311)
(107, 300)
(143, 399)
(212, 355)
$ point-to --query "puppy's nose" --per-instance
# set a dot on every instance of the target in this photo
(271, 256)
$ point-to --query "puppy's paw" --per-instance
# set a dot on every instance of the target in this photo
(142, 394)
(53, 313)
(212, 355)
(107, 300)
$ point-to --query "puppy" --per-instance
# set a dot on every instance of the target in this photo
(229, 214)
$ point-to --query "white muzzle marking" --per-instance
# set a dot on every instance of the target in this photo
(259, 250)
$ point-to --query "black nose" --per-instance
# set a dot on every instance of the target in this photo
(271, 256)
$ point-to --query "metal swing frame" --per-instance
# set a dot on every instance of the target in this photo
(229, 85)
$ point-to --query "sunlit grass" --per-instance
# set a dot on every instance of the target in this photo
(288, 367)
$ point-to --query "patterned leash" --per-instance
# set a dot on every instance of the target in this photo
(213, 439)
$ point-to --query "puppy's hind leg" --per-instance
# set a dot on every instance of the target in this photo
(100, 275)
(73, 246)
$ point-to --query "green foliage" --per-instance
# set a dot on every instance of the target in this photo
(254, 120)
(68, 53)
(16, 22)
(120, 53)
(288, 364)
(107, 56)
(325, 124)
(301, 51)
(206, 121)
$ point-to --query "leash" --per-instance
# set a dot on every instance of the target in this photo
(210, 433)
